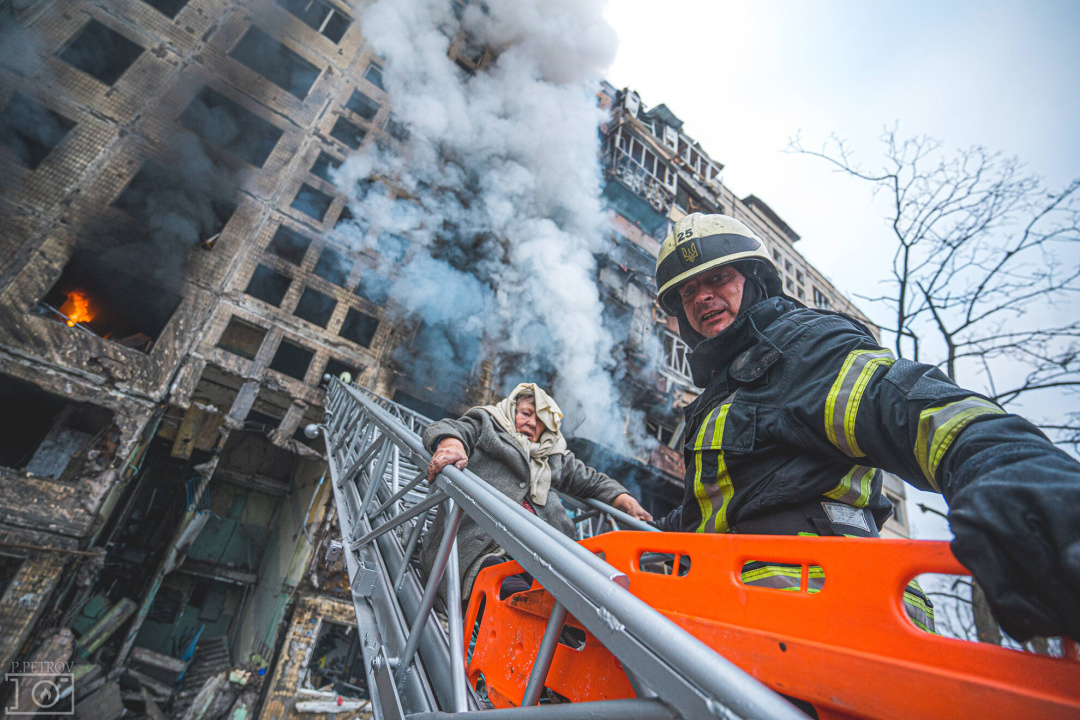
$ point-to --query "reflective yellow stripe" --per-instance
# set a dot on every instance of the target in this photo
(704, 503)
(713, 498)
(842, 402)
(938, 428)
(849, 493)
(782, 576)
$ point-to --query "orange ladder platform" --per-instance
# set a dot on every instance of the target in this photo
(849, 650)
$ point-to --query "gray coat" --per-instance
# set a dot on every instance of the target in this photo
(496, 457)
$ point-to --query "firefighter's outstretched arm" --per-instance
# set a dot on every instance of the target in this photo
(1014, 496)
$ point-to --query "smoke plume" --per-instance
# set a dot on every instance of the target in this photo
(499, 194)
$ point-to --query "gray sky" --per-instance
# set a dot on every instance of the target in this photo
(746, 75)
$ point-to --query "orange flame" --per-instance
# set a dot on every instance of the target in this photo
(77, 308)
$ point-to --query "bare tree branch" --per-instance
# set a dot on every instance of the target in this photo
(983, 259)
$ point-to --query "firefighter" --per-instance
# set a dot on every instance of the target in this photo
(802, 410)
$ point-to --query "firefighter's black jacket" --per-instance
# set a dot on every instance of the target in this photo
(802, 409)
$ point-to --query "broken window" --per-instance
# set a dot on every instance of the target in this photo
(337, 659)
(358, 327)
(51, 432)
(30, 131)
(335, 367)
(374, 287)
(313, 203)
(319, 16)
(333, 267)
(100, 52)
(98, 295)
(178, 206)
(292, 360)
(289, 245)
(226, 124)
(659, 431)
(363, 105)
(323, 165)
(348, 133)
(242, 338)
(268, 285)
(373, 75)
(168, 8)
(272, 59)
(315, 307)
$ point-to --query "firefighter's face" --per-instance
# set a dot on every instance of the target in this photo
(525, 419)
(711, 299)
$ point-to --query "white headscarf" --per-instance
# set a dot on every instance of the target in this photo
(551, 440)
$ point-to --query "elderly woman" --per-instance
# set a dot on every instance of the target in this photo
(517, 447)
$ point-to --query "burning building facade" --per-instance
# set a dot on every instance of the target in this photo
(203, 215)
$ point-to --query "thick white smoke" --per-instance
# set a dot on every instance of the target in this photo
(502, 169)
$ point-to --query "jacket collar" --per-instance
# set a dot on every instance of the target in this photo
(715, 354)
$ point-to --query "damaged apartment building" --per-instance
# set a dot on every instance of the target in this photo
(171, 295)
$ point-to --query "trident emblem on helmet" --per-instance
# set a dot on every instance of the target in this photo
(689, 252)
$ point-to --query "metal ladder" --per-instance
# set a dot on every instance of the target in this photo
(415, 669)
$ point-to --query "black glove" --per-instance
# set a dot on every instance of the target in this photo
(1017, 527)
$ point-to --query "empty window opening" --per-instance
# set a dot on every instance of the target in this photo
(313, 203)
(396, 129)
(337, 658)
(30, 131)
(95, 294)
(373, 75)
(226, 124)
(363, 105)
(333, 267)
(242, 338)
(101, 53)
(176, 205)
(323, 165)
(268, 285)
(315, 307)
(821, 299)
(168, 8)
(289, 245)
(374, 287)
(54, 437)
(348, 133)
(261, 422)
(358, 327)
(319, 16)
(346, 216)
(9, 568)
(335, 367)
(292, 360)
(273, 60)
